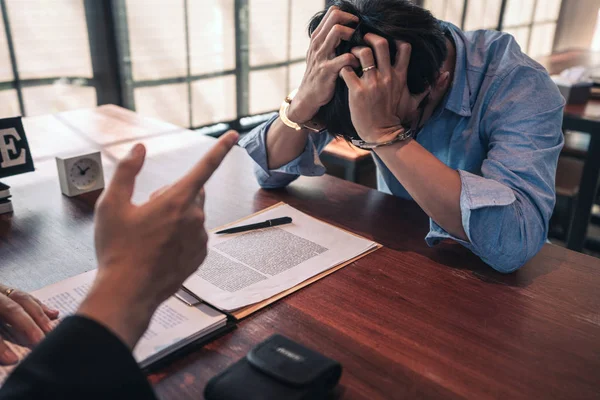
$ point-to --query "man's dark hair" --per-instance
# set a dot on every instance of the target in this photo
(393, 20)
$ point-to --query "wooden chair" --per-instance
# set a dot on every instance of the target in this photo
(568, 177)
(576, 144)
(352, 159)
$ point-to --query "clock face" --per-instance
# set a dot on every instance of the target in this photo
(84, 173)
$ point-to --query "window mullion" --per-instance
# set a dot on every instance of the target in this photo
(13, 58)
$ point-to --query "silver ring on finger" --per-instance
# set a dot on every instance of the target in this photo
(365, 69)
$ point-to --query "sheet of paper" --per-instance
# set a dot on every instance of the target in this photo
(172, 323)
(248, 267)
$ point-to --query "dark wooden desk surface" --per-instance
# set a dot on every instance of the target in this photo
(408, 321)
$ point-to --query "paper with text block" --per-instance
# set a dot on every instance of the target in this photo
(246, 268)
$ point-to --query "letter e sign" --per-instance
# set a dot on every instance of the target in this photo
(15, 156)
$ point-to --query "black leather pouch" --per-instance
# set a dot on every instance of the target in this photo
(277, 368)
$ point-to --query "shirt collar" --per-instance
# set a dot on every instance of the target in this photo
(458, 100)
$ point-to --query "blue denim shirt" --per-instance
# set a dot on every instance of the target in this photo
(499, 126)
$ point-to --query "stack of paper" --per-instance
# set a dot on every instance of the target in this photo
(250, 267)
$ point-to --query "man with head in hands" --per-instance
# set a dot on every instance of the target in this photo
(463, 123)
(144, 255)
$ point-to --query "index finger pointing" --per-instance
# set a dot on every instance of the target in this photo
(194, 180)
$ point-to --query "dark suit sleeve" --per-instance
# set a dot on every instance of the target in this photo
(80, 359)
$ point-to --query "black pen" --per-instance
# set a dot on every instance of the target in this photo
(267, 224)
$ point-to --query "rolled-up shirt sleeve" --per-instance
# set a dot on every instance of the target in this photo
(308, 163)
(506, 210)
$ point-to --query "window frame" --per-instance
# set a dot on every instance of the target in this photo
(113, 81)
(241, 72)
(501, 26)
(105, 80)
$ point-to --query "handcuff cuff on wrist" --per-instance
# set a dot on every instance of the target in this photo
(402, 136)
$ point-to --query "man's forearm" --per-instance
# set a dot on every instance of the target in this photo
(433, 185)
(284, 144)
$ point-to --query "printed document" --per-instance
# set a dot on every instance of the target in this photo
(248, 267)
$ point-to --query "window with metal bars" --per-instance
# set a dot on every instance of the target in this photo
(190, 62)
(46, 64)
(531, 22)
(195, 63)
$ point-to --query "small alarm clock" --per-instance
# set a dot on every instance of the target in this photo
(80, 174)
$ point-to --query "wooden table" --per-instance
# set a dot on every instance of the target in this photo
(408, 321)
(582, 118)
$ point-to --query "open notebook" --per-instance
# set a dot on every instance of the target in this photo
(243, 273)
(173, 326)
